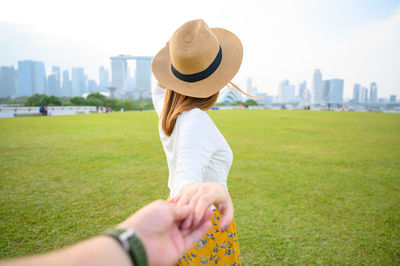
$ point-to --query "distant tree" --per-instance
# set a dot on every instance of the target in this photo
(35, 100)
(96, 99)
(235, 103)
(250, 102)
(51, 100)
(79, 101)
(128, 105)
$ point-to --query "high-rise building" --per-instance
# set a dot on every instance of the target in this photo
(119, 73)
(39, 78)
(53, 82)
(326, 85)
(392, 98)
(92, 86)
(66, 84)
(356, 92)
(286, 92)
(363, 97)
(8, 81)
(104, 78)
(143, 78)
(25, 77)
(317, 87)
(302, 90)
(336, 91)
(78, 79)
(373, 93)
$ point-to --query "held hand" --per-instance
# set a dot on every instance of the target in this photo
(200, 197)
(157, 226)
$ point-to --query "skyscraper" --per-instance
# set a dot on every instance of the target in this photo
(25, 77)
(39, 78)
(66, 84)
(78, 81)
(356, 92)
(92, 86)
(285, 92)
(143, 78)
(302, 90)
(54, 82)
(8, 81)
(363, 97)
(326, 85)
(317, 87)
(104, 79)
(373, 93)
(119, 73)
(336, 91)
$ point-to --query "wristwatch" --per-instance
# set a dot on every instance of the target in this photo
(131, 244)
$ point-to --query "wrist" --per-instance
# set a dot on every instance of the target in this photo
(131, 244)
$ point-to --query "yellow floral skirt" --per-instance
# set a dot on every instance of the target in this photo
(215, 247)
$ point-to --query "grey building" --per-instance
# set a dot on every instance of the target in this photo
(143, 78)
(78, 81)
(302, 90)
(326, 85)
(39, 78)
(373, 93)
(336, 91)
(363, 96)
(316, 94)
(66, 89)
(356, 92)
(104, 78)
(392, 98)
(25, 77)
(8, 81)
(286, 92)
(119, 75)
(53, 82)
(92, 86)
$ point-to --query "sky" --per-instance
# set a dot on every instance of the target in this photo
(355, 40)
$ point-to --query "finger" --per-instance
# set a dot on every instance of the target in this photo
(206, 216)
(193, 205)
(175, 199)
(191, 238)
(227, 216)
(180, 213)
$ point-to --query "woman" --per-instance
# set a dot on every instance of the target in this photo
(191, 69)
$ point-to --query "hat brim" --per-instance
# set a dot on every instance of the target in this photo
(232, 54)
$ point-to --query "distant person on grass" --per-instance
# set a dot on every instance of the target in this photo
(151, 236)
(191, 69)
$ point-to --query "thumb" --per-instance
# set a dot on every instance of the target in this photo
(227, 216)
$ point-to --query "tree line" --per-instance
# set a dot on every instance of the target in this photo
(94, 99)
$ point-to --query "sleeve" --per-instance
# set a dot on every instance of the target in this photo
(158, 95)
(195, 148)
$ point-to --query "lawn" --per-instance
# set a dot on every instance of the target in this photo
(309, 187)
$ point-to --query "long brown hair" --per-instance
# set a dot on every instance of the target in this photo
(176, 103)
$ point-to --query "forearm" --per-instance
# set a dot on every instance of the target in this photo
(99, 251)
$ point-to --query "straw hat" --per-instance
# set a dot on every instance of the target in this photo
(198, 61)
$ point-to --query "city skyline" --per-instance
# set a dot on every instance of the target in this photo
(353, 40)
(30, 77)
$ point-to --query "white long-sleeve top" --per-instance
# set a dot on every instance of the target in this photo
(196, 151)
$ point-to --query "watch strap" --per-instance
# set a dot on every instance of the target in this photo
(131, 244)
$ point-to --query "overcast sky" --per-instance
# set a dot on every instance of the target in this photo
(356, 40)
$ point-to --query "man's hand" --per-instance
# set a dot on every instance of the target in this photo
(158, 225)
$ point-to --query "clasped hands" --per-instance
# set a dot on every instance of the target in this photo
(167, 230)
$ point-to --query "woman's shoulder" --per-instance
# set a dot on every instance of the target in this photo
(195, 120)
(195, 116)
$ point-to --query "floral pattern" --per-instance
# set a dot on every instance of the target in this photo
(215, 248)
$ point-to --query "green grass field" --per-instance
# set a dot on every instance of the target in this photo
(308, 187)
